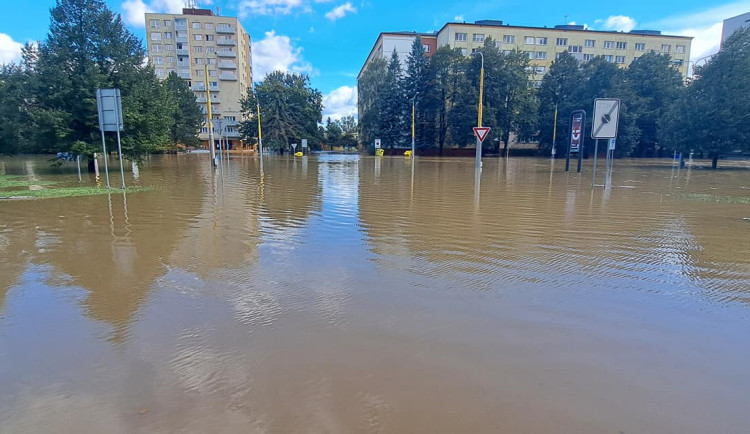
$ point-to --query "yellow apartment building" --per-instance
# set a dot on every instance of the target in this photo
(196, 40)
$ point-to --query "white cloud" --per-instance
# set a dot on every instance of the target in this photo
(10, 50)
(620, 23)
(704, 25)
(340, 11)
(340, 102)
(459, 18)
(276, 52)
(133, 10)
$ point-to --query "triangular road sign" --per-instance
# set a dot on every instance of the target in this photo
(481, 133)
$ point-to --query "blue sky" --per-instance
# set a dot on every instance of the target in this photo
(330, 39)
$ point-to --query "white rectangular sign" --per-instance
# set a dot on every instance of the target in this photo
(109, 105)
(304, 143)
(377, 143)
(606, 117)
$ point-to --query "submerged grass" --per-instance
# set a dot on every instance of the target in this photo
(9, 189)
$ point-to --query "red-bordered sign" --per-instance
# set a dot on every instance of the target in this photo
(481, 133)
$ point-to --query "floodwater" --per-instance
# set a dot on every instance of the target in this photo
(343, 294)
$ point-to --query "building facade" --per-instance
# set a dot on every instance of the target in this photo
(544, 44)
(197, 43)
(733, 24)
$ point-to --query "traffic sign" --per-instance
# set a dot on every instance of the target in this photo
(612, 143)
(481, 133)
(294, 146)
(606, 117)
(576, 130)
(304, 143)
(377, 143)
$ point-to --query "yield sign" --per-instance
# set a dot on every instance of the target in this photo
(481, 133)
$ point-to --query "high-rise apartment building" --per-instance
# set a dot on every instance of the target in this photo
(733, 24)
(543, 44)
(196, 43)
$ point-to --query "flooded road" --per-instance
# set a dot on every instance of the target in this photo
(339, 294)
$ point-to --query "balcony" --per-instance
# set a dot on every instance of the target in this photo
(226, 64)
(213, 88)
(227, 76)
(199, 87)
(214, 110)
(229, 42)
(184, 74)
(180, 26)
(202, 99)
(231, 134)
(182, 52)
(225, 29)
(181, 39)
(227, 53)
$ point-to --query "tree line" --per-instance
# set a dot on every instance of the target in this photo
(660, 112)
(48, 101)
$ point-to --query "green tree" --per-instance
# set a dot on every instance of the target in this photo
(414, 87)
(713, 115)
(446, 81)
(290, 110)
(333, 134)
(556, 90)
(655, 84)
(370, 89)
(186, 115)
(394, 107)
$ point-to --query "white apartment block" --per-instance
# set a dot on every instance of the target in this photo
(733, 24)
(196, 43)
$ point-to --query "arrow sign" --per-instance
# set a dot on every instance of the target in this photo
(481, 133)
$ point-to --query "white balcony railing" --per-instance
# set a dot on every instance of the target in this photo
(226, 42)
(222, 53)
(182, 52)
(227, 76)
(226, 64)
(225, 29)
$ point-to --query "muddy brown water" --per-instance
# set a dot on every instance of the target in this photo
(339, 294)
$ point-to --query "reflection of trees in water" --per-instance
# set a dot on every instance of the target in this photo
(114, 258)
(532, 228)
(291, 190)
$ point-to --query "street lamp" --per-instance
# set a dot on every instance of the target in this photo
(413, 100)
(478, 159)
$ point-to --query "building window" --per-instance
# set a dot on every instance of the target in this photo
(463, 51)
(478, 37)
(199, 61)
(169, 47)
(541, 41)
(679, 49)
(211, 61)
(199, 73)
(529, 40)
(460, 36)
(609, 45)
(212, 73)
(158, 60)
(170, 59)
(209, 37)
(198, 37)
(678, 62)
(167, 23)
(157, 48)
(204, 129)
(156, 36)
(506, 52)
(159, 72)
(640, 46)
(474, 50)
(196, 25)
(587, 57)
(154, 24)
(666, 48)
(575, 49)
(210, 49)
(541, 55)
(589, 43)
(209, 26)
(426, 48)
(509, 39)
(539, 69)
(609, 58)
(197, 49)
(561, 42)
(622, 45)
(167, 35)
(619, 59)
(530, 54)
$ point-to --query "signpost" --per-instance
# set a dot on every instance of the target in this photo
(577, 125)
(304, 145)
(605, 122)
(481, 134)
(109, 107)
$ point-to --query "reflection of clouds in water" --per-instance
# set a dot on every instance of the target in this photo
(253, 307)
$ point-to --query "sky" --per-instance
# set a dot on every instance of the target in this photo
(330, 39)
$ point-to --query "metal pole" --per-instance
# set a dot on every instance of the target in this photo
(580, 157)
(478, 157)
(78, 160)
(593, 175)
(104, 155)
(554, 136)
(119, 146)
(413, 102)
(260, 135)
(210, 120)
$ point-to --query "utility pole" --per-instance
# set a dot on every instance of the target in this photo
(478, 159)
(260, 135)
(210, 120)
(413, 102)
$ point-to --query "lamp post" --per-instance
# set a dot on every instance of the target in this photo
(554, 135)
(260, 136)
(478, 159)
